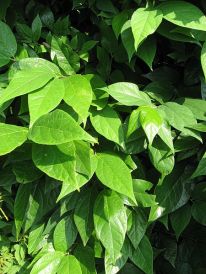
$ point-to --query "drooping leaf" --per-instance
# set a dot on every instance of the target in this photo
(110, 222)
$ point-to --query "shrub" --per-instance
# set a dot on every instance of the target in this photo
(102, 136)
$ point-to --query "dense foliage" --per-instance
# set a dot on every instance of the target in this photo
(102, 137)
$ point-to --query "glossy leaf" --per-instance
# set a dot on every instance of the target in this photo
(56, 128)
(128, 94)
(144, 22)
(45, 99)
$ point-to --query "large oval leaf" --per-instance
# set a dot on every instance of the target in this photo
(57, 127)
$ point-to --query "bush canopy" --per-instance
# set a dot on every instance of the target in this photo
(102, 137)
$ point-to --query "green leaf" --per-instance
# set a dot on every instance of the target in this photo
(57, 127)
(110, 222)
(81, 178)
(65, 234)
(107, 123)
(113, 268)
(20, 206)
(26, 81)
(85, 256)
(36, 28)
(170, 193)
(201, 168)
(48, 263)
(143, 198)
(78, 94)
(128, 39)
(11, 137)
(45, 99)
(147, 51)
(180, 219)
(184, 14)
(56, 161)
(35, 238)
(128, 94)
(203, 58)
(197, 107)
(118, 22)
(198, 212)
(143, 256)
(137, 225)
(144, 22)
(69, 264)
(83, 214)
(106, 172)
(8, 45)
(178, 116)
(161, 156)
(150, 121)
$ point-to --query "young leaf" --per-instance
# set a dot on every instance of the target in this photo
(11, 137)
(128, 39)
(144, 22)
(56, 128)
(120, 181)
(110, 222)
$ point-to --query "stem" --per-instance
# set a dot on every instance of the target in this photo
(3, 213)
